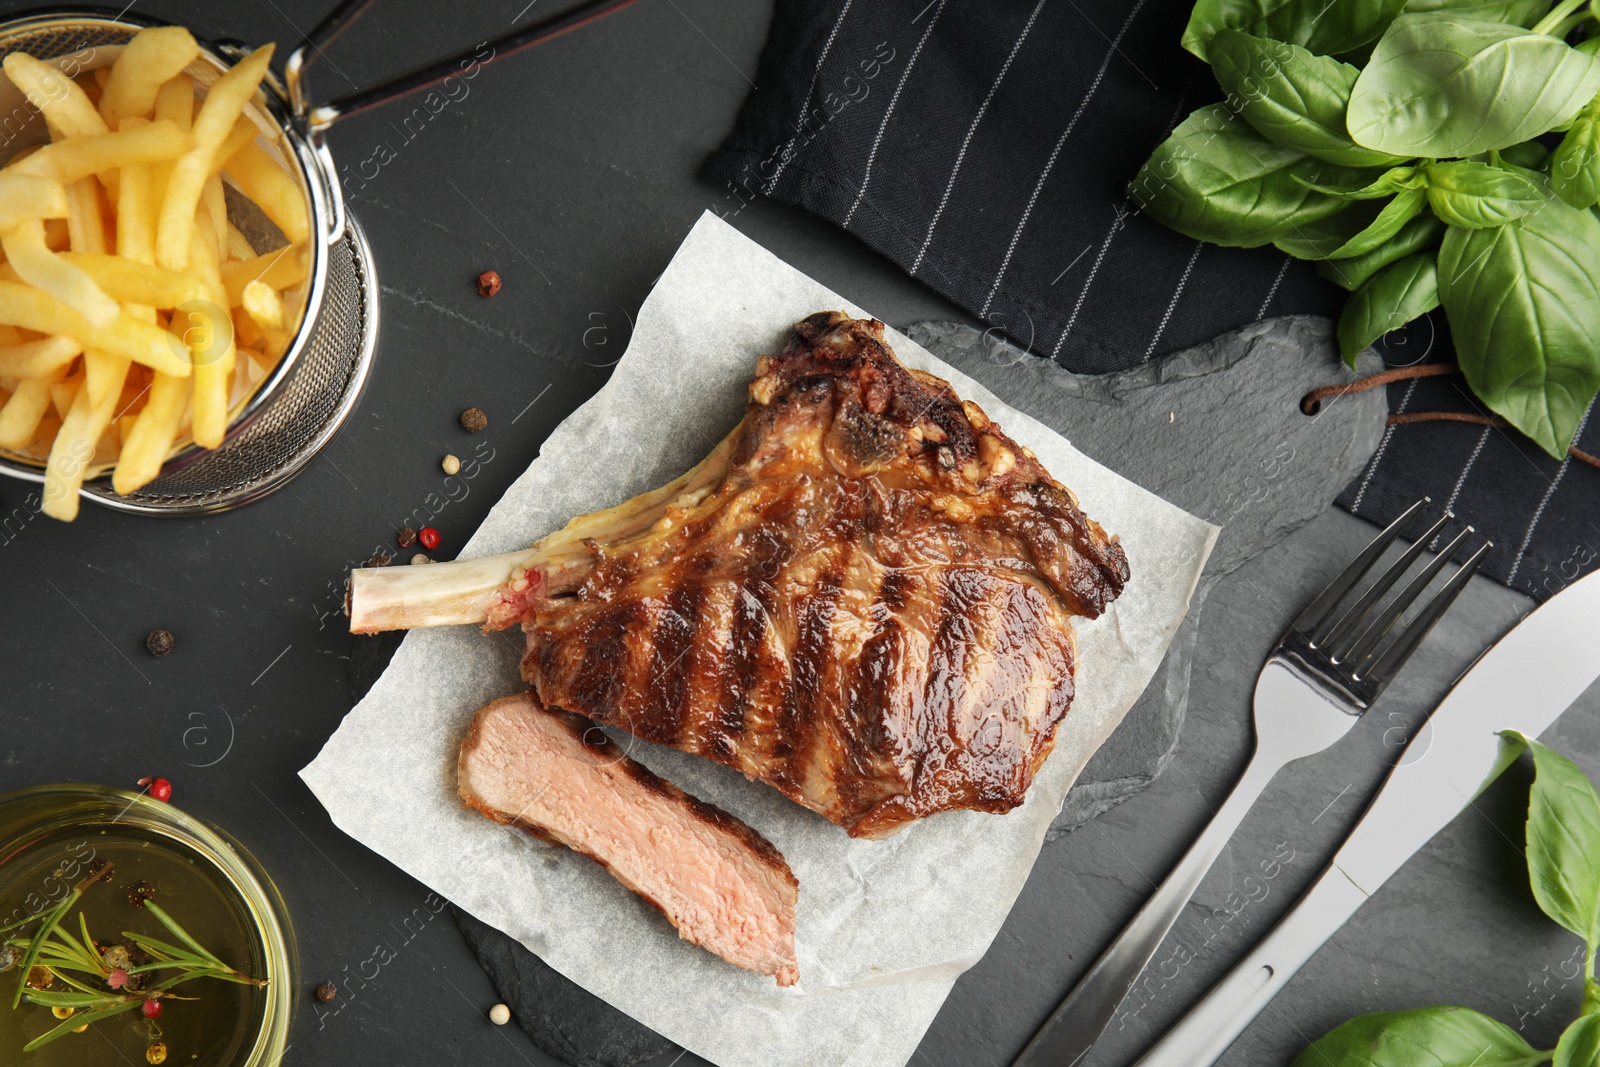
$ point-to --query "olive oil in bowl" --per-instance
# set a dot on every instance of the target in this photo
(122, 853)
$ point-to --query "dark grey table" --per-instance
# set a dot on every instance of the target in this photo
(570, 171)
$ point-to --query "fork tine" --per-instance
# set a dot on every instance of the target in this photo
(1385, 620)
(1336, 589)
(1353, 617)
(1395, 656)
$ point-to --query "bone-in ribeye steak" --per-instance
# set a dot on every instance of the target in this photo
(864, 597)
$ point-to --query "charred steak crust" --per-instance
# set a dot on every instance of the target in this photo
(576, 763)
(871, 610)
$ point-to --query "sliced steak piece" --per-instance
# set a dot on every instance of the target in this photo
(560, 777)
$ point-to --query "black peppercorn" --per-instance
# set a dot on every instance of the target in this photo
(326, 992)
(139, 892)
(406, 537)
(159, 642)
(473, 420)
(380, 559)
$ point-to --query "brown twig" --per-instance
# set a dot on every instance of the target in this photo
(1311, 403)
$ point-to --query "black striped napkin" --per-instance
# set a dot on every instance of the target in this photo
(986, 149)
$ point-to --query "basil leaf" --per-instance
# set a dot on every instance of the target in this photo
(1435, 1037)
(1514, 12)
(1443, 85)
(1420, 234)
(1400, 292)
(1524, 308)
(1563, 841)
(1529, 155)
(1290, 96)
(1216, 179)
(1390, 182)
(1580, 1045)
(1575, 166)
(1476, 195)
(1326, 27)
(1315, 244)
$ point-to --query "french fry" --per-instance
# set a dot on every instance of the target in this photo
(62, 393)
(210, 340)
(136, 220)
(281, 268)
(132, 282)
(103, 375)
(142, 342)
(65, 105)
(57, 234)
(175, 102)
(246, 331)
(151, 58)
(261, 302)
(259, 177)
(38, 359)
(25, 196)
(217, 208)
(222, 108)
(86, 226)
(244, 131)
(238, 244)
(145, 446)
(36, 264)
(74, 448)
(21, 415)
(78, 157)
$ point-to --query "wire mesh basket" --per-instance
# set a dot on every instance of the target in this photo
(301, 404)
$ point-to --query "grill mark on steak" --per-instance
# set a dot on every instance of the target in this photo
(677, 624)
(797, 721)
(941, 688)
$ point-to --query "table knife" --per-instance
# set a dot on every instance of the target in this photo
(1526, 679)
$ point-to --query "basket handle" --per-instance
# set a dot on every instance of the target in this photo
(320, 117)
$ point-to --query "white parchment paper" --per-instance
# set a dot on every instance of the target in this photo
(884, 927)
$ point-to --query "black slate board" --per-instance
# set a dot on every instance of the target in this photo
(1243, 445)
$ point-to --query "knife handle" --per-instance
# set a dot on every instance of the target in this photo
(1205, 1032)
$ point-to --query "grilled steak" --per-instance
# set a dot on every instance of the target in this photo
(559, 776)
(870, 608)
(864, 596)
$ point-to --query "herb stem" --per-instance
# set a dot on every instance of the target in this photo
(1557, 16)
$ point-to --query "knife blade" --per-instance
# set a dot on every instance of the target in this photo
(1522, 682)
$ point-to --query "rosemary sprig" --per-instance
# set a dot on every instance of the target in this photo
(52, 922)
(54, 947)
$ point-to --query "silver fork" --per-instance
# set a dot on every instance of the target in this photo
(1324, 673)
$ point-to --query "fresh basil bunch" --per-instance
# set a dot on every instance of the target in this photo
(1420, 178)
(1564, 867)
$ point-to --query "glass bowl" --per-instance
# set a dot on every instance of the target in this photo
(50, 835)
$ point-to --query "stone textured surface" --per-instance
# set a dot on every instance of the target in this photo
(1217, 430)
(564, 1019)
(579, 202)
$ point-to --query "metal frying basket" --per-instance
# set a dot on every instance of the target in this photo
(301, 405)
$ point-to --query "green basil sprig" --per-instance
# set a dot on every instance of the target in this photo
(1216, 179)
(1404, 290)
(1432, 1036)
(1360, 133)
(1575, 166)
(1440, 84)
(1563, 836)
(1291, 96)
(1318, 25)
(1524, 303)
